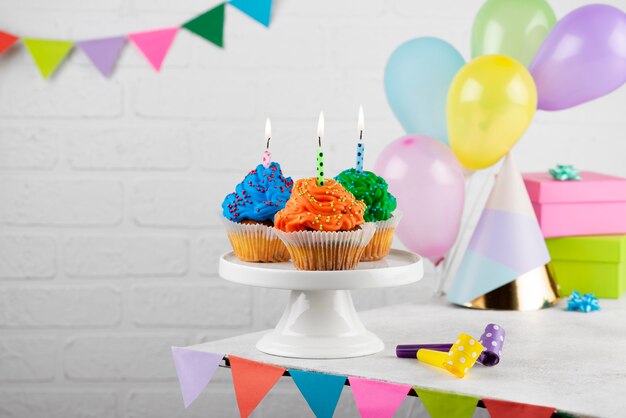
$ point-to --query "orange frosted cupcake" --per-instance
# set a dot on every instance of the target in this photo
(323, 226)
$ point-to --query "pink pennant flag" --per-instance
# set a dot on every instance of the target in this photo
(195, 370)
(154, 44)
(376, 399)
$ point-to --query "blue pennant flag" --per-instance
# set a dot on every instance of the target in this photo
(321, 391)
(259, 10)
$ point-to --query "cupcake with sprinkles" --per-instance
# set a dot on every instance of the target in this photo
(323, 224)
(373, 191)
(381, 204)
(248, 212)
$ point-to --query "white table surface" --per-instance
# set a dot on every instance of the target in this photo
(572, 361)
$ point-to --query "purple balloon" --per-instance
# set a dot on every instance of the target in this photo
(582, 58)
(428, 182)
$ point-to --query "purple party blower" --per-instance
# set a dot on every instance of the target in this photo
(492, 339)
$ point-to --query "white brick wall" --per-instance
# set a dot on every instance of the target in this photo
(110, 189)
(28, 358)
(24, 257)
(59, 306)
(40, 201)
(153, 256)
(35, 403)
(120, 357)
(128, 148)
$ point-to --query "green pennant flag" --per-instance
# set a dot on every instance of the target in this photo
(559, 414)
(209, 25)
(47, 54)
(446, 405)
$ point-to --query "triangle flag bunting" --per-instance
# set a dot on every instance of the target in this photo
(506, 244)
(103, 53)
(444, 405)
(7, 41)
(195, 369)
(320, 391)
(154, 44)
(259, 10)
(209, 25)
(505, 409)
(561, 414)
(376, 399)
(47, 54)
(252, 381)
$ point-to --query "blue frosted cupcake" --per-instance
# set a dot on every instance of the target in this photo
(249, 211)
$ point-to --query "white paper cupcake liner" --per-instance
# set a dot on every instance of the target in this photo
(255, 242)
(380, 244)
(327, 250)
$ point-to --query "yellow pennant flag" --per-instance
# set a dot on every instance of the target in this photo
(48, 54)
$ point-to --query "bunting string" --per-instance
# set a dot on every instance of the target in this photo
(154, 45)
(252, 381)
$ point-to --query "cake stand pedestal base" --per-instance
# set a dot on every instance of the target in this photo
(320, 324)
(320, 320)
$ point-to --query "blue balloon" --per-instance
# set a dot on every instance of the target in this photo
(417, 77)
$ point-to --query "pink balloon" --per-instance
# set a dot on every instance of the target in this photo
(428, 182)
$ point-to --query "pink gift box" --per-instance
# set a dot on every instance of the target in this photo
(595, 205)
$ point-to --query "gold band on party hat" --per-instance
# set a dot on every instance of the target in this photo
(463, 355)
(530, 291)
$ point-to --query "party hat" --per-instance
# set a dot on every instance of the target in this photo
(507, 245)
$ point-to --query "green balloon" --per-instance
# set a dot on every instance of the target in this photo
(512, 27)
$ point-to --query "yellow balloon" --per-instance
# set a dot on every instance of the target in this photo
(491, 102)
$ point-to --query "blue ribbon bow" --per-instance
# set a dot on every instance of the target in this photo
(585, 303)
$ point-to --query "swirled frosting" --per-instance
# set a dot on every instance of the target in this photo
(320, 208)
(262, 193)
(372, 190)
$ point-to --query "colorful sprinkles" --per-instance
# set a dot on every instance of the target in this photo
(262, 193)
(321, 208)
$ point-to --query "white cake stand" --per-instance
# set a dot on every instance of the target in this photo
(320, 320)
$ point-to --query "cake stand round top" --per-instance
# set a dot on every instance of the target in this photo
(398, 268)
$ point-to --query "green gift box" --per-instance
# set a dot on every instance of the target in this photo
(592, 264)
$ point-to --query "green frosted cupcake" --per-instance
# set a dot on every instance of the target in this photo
(373, 191)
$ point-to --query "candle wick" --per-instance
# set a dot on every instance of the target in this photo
(319, 141)
(268, 143)
(361, 136)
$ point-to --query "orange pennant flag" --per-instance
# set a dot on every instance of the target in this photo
(7, 40)
(252, 381)
(506, 409)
